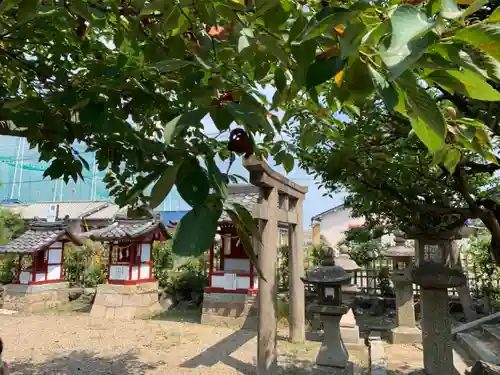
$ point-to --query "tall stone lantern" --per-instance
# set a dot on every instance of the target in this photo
(406, 331)
(329, 278)
(433, 273)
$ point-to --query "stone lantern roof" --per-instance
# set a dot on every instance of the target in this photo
(327, 274)
(399, 249)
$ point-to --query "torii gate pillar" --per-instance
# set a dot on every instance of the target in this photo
(281, 202)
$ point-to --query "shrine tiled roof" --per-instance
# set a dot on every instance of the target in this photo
(40, 235)
(127, 229)
(246, 195)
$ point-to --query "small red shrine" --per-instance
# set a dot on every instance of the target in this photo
(44, 243)
(230, 268)
(131, 248)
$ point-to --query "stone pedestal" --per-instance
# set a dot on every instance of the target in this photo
(406, 331)
(126, 301)
(434, 280)
(349, 329)
(436, 332)
(230, 310)
(29, 298)
(332, 353)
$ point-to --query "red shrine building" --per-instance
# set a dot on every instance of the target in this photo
(233, 283)
(131, 290)
(39, 279)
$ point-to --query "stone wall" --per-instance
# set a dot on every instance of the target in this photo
(29, 298)
(230, 310)
(126, 301)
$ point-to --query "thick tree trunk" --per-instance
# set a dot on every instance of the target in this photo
(463, 291)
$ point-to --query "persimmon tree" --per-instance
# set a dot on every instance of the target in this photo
(133, 79)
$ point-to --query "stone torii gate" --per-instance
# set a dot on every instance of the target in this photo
(280, 202)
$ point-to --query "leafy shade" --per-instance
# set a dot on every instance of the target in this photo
(391, 181)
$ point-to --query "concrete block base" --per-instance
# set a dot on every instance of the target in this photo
(29, 298)
(405, 335)
(126, 301)
(230, 310)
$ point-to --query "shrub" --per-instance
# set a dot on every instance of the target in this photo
(96, 274)
(163, 261)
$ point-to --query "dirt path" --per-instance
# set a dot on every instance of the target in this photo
(79, 344)
(51, 344)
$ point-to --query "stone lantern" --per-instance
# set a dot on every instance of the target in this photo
(433, 273)
(348, 326)
(329, 278)
(406, 331)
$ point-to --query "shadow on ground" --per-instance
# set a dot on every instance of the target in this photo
(83, 363)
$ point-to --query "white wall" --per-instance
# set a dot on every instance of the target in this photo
(334, 224)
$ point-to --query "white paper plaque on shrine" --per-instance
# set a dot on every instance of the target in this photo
(230, 281)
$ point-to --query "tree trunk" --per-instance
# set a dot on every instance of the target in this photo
(463, 291)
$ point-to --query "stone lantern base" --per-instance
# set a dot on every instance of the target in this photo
(333, 357)
(126, 301)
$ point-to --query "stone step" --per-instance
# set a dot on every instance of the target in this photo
(479, 346)
(493, 331)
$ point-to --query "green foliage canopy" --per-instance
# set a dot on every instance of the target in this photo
(133, 80)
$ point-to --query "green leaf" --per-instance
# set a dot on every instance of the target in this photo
(28, 10)
(451, 160)
(485, 36)
(466, 83)
(495, 16)
(288, 163)
(323, 70)
(279, 79)
(274, 48)
(156, 5)
(244, 39)
(249, 115)
(449, 9)
(410, 39)
(80, 8)
(221, 117)
(218, 180)
(196, 231)
(169, 65)
(5, 5)
(192, 182)
(247, 220)
(474, 7)
(426, 134)
(423, 106)
(245, 239)
(181, 122)
(384, 89)
(163, 186)
(325, 18)
(139, 187)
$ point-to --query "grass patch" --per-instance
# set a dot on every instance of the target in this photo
(180, 315)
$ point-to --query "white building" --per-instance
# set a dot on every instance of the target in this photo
(331, 224)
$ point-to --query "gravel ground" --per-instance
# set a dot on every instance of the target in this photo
(78, 344)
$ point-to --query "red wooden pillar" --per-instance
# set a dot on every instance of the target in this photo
(110, 260)
(33, 267)
(251, 276)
